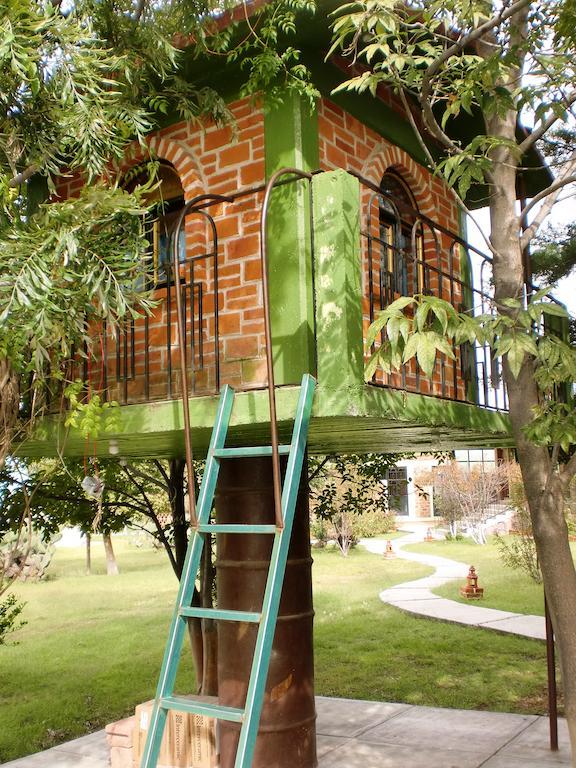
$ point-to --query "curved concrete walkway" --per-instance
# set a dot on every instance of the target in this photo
(417, 596)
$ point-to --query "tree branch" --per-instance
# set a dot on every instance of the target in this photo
(568, 471)
(23, 176)
(550, 195)
(319, 468)
(544, 127)
(160, 468)
(144, 476)
(433, 165)
(138, 11)
(453, 50)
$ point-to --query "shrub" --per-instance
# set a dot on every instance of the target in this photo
(454, 536)
(372, 523)
(319, 531)
(10, 609)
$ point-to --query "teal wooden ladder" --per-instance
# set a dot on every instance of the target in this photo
(249, 716)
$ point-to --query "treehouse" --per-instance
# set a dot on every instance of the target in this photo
(336, 208)
(361, 223)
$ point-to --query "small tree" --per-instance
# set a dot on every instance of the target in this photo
(467, 495)
(48, 494)
(10, 610)
(343, 489)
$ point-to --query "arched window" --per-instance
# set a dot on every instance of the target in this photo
(398, 214)
(166, 201)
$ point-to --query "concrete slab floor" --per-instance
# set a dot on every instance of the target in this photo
(368, 734)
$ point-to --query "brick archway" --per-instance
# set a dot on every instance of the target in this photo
(387, 157)
(180, 156)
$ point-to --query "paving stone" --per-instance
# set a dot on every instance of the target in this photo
(503, 760)
(362, 755)
(57, 758)
(94, 745)
(349, 717)
(326, 744)
(420, 727)
(365, 734)
(534, 742)
(529, 626)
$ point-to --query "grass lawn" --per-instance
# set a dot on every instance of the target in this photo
(504, 588)
(92, 647)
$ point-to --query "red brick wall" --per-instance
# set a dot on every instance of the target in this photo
(347, 143)
(208, 160)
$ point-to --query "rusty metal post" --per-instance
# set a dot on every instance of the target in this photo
(181, 326)
(296, 174)
(287, 735)
(552, 690)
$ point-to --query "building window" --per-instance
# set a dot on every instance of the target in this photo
(166, 201)
(397, 482)
(397, 215)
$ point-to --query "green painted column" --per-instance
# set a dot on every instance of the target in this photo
(467, 277)
(291, 136)
(338, 282)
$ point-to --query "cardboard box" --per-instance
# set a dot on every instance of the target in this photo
(119, 737)
(189, 740)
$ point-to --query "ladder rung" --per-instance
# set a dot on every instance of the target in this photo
(220, 614)
(235, 528)
(256, 450)
(197, 707)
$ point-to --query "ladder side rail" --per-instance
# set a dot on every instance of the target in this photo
(272, 594)
(172, 653)
(217, 441)
(187, 581)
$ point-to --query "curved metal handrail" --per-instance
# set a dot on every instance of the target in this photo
(188, 208)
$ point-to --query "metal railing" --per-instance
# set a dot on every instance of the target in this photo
(138, 360)
(405, 253)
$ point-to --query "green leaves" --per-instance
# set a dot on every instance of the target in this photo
(496, 61)
(72, 263)
(92, 416)
(415, 327)
(423, 327)
(553, 424)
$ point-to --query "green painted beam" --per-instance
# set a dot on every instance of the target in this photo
(358, 420)
(291, 141)
(467, 277)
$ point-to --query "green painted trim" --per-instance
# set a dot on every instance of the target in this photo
(358, 419)
(338, 281)
(399, 405)
(291, 141)
(467, 277)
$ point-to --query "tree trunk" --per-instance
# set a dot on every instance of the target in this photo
(544, 490)
(111, 564)
(178, 509)
(209, 626)
(9, 407)
(88, 554)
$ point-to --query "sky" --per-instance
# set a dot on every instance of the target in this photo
(563, 213)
